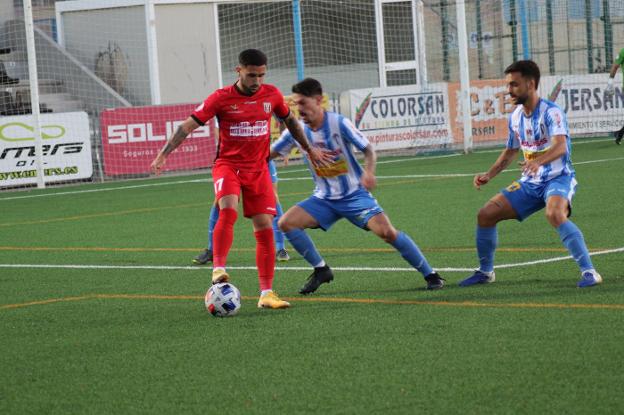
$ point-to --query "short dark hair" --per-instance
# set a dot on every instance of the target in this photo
(252, 57)
(309, 87)
(528, 69)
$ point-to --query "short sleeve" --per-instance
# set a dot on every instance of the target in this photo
(513, 140)
(284, 143)
(206, 110)
(556, 122)
(352, 134)
(620, 58)
(280, 109)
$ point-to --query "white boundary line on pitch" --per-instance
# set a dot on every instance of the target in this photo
(201, 180)
(372, 269)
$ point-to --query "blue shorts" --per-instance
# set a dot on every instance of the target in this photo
(528, 198)
(273, 171)
(358, 208)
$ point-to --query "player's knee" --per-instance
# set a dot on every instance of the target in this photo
(388, 234)
(555, 216)
(284, 224)
(486, 217)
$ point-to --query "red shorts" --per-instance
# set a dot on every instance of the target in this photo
(256, 187)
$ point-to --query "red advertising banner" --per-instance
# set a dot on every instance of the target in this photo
(132, 137)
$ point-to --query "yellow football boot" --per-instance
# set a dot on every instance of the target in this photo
(219, 275)
(271, 300)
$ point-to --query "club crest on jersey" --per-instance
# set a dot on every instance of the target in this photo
(267, 107)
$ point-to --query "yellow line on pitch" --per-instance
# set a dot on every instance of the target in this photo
(324, 249)
(99, 215)
(471, 304)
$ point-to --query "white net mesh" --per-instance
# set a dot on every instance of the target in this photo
(116, 76)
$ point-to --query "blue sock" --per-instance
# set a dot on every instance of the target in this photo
(572, 239)
(303, 244)
(411, 253)
(212, 222)
(279, 236)
(487, 239)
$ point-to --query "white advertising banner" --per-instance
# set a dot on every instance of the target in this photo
(66, 148)
(583, 99)
(402, 116)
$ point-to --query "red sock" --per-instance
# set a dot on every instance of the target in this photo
(265, 257)
(222, 236)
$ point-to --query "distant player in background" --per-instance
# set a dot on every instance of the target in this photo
(619, 61)
(538, 127)
(281, 254)
(342, 189)
(244, 111)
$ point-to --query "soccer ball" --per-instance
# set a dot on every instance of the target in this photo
(223, 300)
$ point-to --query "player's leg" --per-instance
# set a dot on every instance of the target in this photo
(380, 225)
(259, 205)
(206, 255)
(227, 189)
(618, 135)
(310, 213)
(281, 254)
(497, 209)
(559, 195)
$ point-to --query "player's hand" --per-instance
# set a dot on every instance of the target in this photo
(368, 180)
(158, 164)
(285, 159)
(480, 180)
(529, 167)
(609, 90)
(320, 157)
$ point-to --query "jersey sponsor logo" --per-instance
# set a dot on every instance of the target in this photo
(537, 142)
(532, 155)
(336, 168)
(247, 129)
(513, 186)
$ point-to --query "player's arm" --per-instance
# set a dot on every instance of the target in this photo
(368, 179)
(282, 146)
(614, 68)
(558, 148)
(352, 135)
(317, 156)
(174, 141)
(503, 161)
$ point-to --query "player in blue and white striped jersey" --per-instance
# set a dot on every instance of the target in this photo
(342, 189)
(539, 128)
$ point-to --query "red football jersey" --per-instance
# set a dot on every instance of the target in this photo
(244, 124)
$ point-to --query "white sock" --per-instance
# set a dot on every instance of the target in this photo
(265, 292)
(320, 264)
(218, 269)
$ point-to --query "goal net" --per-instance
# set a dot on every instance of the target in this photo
(116, 77)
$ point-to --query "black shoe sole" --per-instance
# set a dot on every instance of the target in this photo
(310, 291)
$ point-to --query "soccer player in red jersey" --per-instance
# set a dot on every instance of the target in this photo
(244, 112)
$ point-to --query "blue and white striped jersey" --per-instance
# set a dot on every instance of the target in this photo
(534, 136)
(339, 135)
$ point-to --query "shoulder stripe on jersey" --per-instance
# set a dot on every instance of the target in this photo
(197, 120)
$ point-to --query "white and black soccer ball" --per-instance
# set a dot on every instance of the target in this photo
(223, 300)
